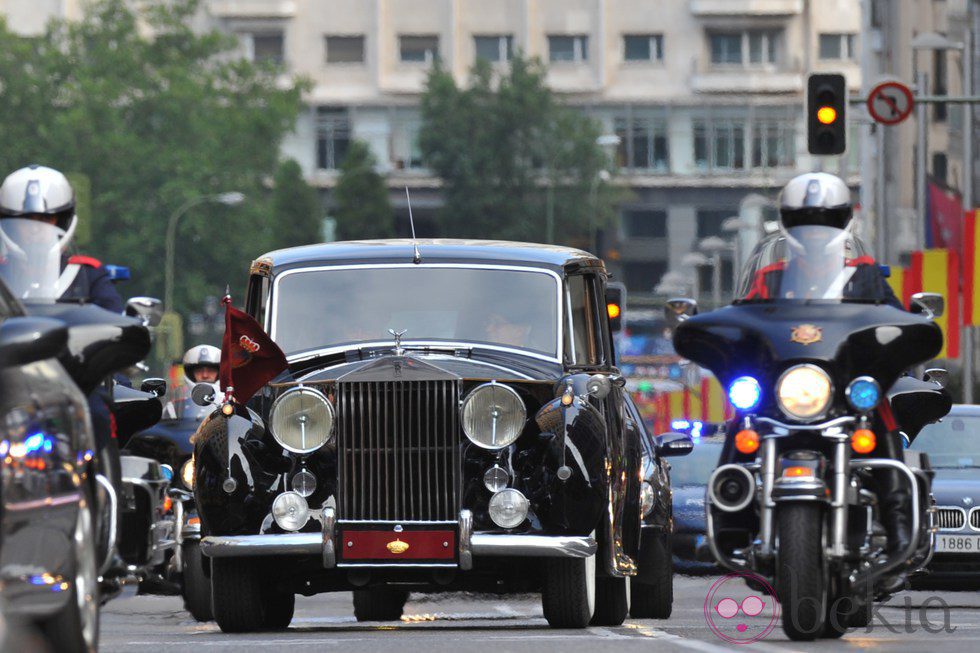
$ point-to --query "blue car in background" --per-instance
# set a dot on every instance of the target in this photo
(689, 477)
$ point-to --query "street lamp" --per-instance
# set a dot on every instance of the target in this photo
(714, 246)
(695, 260)
(231, 198)
(672, 283)
(734, 225)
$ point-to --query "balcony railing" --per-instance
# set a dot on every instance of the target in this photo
(709, 77)
(708, 8)
(253, 8)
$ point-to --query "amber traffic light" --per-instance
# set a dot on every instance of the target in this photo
(826, 109)
(615, 305)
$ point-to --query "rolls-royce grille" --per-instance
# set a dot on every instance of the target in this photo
(975, 519)
(397, 444)
(951, 519)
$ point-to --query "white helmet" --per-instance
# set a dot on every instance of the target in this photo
(200, 356)
(36, 190)
(815, 198)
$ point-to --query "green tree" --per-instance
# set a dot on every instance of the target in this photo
(515, 162)
(296, 210)
(153, 114)
(361, 205)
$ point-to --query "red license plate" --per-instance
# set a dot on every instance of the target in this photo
(387, 545)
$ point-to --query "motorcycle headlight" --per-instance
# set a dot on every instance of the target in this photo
(493, 416)
(301, 420)
(187, 473)
(804, 392)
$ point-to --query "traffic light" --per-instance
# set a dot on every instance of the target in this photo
(826, 112)
(615, 305)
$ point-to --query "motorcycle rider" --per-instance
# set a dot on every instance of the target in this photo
(45, 195)
(823, 200)
(201, 365)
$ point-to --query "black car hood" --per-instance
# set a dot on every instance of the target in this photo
(689, 509)
(951, 486)
(473, 366)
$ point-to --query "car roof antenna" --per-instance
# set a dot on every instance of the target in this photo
(417, 258)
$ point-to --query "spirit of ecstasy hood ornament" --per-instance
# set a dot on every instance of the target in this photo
(398, 340)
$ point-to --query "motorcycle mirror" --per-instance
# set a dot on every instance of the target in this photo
(931, 304)
(673, 444)
(202, 394)
(147, 309)
(599, 386)
(154, 386)
(938, 376)
(678, 309)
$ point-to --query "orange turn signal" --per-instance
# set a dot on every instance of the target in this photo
(168, 503)
(194, 521)
(614, 311)
(227, 410)
(747, 441)
(863, 441)
(797, 472)
(826, 115)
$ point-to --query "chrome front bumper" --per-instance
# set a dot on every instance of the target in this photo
(470, 544)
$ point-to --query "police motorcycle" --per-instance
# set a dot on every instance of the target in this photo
(134, 533)
(813, 494)
(169, 442)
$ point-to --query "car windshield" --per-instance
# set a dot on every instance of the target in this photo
(812, 263)
(696, 467)
(30, 258)
(323, 308)
(953, 442)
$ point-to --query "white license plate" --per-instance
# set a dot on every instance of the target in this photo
(957, 543)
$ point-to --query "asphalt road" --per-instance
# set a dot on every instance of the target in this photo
(454, 622)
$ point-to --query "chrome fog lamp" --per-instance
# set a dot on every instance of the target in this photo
(290, 511)
(493, 416)
(304, 483)
(187, 473)
(648, 497)
(804, 392)
(496, 478)
(301, 420)
(508, 508)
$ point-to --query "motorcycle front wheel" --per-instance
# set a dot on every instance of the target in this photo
(801, 578)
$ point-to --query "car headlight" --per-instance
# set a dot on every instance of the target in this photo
(187, 473)
(302, 420)
(493, 416)
(804, 391)
(648, 496)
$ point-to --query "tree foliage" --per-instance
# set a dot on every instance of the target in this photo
(297, 214)
(361, 205)
(515, 162)
(153, 114)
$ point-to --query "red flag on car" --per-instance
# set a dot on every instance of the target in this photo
(249, 357)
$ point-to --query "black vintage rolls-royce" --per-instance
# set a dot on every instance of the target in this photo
(451, 419)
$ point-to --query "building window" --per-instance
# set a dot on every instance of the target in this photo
(773, 144)
(643, 276)
(495, 49)
(406, 153)
(837, 47)
(345, 49)
(728, 143)
(710, 221)
(418, 49)
(573, 49)
(747, 48)
(706, 277)
(333, 136)
(644, 223)
(940, 168)
(643, 47)
(719, 144)
(939, 83)
(268, 48)
(643, 142)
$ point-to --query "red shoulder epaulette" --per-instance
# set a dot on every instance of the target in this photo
(85, 260)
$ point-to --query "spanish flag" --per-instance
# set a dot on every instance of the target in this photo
(897, 283)
(938, 271)
(971, 269)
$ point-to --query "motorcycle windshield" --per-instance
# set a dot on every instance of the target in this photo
(812, 264)
(30, 258)
(182, 407)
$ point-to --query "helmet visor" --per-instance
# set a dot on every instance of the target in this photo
(30, 258)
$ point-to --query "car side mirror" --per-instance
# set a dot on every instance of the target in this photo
(147, 309)
(673, 444)
(679, 309)
(155, 386)
(30, 339)
(937, 375)
(930, 304)
(202, 394)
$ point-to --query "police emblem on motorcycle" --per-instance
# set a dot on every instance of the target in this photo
(397, 546)
(807, 334)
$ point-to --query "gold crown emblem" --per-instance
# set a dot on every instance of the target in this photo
(397, 546)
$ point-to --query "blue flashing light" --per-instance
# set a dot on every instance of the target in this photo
(34, 443)
(696, 428)
(167, 473)
(863, 394)
(745, 393)
(680, 425)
